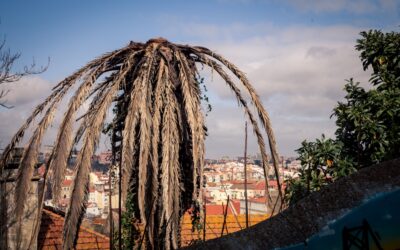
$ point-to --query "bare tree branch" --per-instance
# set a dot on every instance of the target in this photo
(7, 75)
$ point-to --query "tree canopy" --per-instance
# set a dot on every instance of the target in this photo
(368, 120)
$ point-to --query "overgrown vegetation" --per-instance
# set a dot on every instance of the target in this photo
(368, 121)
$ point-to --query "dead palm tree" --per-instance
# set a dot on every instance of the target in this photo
(155, 93)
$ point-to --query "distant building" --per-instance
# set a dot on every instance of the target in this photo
(105, 157)
(66, 187)
(93, 210)
(241, 160)
(255, 206)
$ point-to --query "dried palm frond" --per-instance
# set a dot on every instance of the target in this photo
(158, 133)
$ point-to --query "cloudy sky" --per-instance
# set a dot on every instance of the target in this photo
(296, 53)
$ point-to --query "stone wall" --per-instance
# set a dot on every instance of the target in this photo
(307, 217)
(10, 237)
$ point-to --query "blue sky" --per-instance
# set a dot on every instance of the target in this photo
(297, 53)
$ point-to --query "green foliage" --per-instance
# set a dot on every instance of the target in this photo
(368, 121)
(196, 218)
(203, 96)
(321, 163)
(130, 233)
(381, 51)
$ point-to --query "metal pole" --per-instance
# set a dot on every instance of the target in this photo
(245, 175)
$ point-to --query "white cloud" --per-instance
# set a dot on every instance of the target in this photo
(299, 73)
(23, 95)
(26, 90)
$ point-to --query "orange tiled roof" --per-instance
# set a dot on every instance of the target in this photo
(218, 209)
(50, 235)
(260, 185)
(259, 199)
(214, 226)
(271, 183)
(274, 184)
(250, 186)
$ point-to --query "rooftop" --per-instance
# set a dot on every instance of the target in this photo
(51, 228)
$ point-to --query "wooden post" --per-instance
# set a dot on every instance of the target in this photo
(245, 174)
(234, 214)
(110, 218)
(120, 206)
(204, 209)
(233, 209)
(225, 214)
(3, 212)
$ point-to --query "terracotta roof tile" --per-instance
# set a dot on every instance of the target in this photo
(50, 234)
(214, 226)
(258, 199)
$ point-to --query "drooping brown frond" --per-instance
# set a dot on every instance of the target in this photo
(88, 116)
(29, 159)
(158, 133)
(83, 164)
(242, 101)
(192, 106)
(155, 141)
(129, 137)
(145, 133)
(170, 180)
(6, 155)
(262, 113)
(81, 180)
(64, 142)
